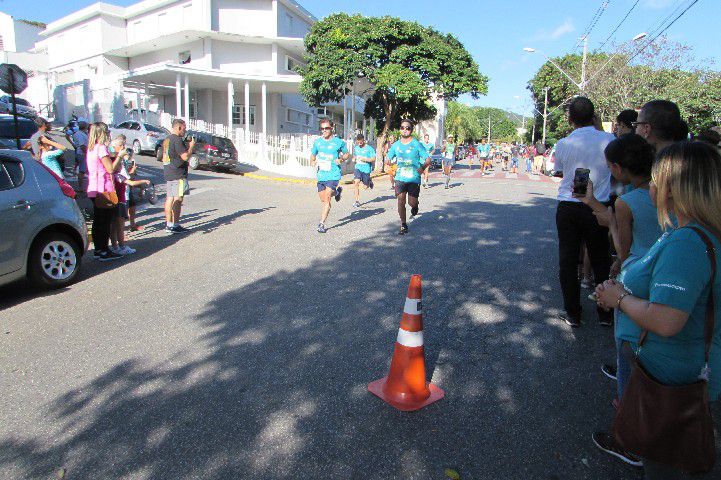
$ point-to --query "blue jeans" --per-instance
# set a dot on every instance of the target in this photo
(528, 165)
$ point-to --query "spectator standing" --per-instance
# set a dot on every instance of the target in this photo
(41, 137)
(80, 144)
(176, 152)
(660, 123)
(100, 180)
(583, 148)
(624, 122)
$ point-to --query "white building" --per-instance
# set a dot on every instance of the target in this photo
(227, 62)
(18, 35)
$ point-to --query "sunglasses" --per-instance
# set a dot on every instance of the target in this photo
(406, 128)
(325, 128)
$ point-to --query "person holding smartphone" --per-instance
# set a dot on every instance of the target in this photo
(580, 157)
(176, 152)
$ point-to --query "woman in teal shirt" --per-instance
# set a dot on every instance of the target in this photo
(666, 291)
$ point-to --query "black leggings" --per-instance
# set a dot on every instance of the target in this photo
(102, 219)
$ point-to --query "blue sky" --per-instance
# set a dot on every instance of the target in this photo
(495, 31)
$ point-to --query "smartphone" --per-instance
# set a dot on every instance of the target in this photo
(580, 181)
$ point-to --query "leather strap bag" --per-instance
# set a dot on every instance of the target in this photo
(108, 199)
(671, 424)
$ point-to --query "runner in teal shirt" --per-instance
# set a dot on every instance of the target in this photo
(365, 155)
(412, 158)
(326, 155)
(429, 146)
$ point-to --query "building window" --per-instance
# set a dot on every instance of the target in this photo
(292, 63)
(2, 46)
(184, 57)
(298, 117)
(239, 114)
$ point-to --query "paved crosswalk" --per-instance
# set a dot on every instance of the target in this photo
(498, 175)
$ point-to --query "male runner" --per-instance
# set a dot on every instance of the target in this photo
(449, 157)
(429, 147)
(365, 156)
(327, 154)
(483, 150)
(412, 158)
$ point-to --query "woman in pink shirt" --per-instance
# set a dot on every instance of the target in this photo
(100, 180)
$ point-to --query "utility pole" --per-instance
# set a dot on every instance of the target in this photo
(533, 135)
(545, 115)
(489, 128)
(583, 64)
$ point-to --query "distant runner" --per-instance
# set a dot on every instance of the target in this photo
(412, 159)
(449, 150)
(429, 147)
(327, 154)
(365, 156)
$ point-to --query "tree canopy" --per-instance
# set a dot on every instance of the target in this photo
(403, 62)
(619, 81)
(470, 124)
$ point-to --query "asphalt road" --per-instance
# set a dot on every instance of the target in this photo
(243, 349)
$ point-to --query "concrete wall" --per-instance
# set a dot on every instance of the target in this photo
(26, 36)
(170, 55)
(290, 24)
(243, 17)
(73, 44)
(172, 18)
(114, 33)
(243, 58)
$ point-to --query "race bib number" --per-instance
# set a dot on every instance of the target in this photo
(325, 163)
(407, 172)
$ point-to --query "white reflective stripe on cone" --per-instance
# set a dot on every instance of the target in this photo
(413, 306)
(410, 339)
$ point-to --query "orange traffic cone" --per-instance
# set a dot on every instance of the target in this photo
(405, 387)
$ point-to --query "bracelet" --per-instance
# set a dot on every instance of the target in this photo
(621, 297)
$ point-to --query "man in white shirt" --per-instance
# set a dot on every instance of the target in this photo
(583, 148)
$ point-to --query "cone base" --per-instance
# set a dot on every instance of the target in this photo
(376, 388)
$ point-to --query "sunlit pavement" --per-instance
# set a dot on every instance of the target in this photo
(243, 349)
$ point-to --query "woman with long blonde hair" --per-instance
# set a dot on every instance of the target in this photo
(666, 292)
(100, 180)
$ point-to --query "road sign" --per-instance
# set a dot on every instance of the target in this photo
(13, 79)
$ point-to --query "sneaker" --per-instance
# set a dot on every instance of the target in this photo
(115, 250)
(356, 204)
(169, 230)
(338, 191)
(126, 250)
(608, 444)
(404, 229)
(107, 255)
(414, 211)
(370, 184)
(321, 228)
(609, 371)
(425, 184)
(570, 320)
(96, 253)
(180, 229)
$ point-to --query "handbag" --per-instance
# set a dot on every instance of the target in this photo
(107, 199)
(670, 424)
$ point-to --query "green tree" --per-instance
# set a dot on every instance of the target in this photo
(402, 62)
(503, 127)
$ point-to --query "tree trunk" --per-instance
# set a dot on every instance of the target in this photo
(381, 140)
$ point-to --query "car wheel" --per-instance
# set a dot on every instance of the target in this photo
(54, 260)
(136, 147)
(194, 162)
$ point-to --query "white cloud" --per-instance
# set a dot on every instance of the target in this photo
(562, 29)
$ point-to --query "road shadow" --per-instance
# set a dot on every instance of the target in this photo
(280, 389)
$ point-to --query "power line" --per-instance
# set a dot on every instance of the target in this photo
(694, 2)
(594, 20)
(619, 25)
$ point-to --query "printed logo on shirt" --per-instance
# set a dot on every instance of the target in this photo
(668, 285)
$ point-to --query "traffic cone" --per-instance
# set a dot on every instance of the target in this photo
(405, 387)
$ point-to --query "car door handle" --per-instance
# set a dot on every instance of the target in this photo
(23, 204)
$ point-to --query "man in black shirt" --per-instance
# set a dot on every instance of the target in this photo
(176, 153)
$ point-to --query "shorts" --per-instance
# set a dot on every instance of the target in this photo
(514, 162)
(413, 189)
(365, 178)
(447, 162)
(131, 200)
(177, 188)
(123, 210)
(332, 184)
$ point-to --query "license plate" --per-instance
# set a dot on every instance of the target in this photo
(226, 155)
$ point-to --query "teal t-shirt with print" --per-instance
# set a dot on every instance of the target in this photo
(410, 157)
(675, 272)
(429, 147)
(367, 152)
(326, 153)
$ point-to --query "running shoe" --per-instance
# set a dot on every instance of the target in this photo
(404, 229)
(609, 371)
(126, 250)
(570, 320)
(414, 211)
(321, 228)
(370, 184)
(338, 191)
(608, 444)
(356, 204)
(107, 256)
(180, 229)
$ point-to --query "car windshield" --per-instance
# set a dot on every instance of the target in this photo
(221, 142)
(153, 128)
(437, 151)
(26, 129)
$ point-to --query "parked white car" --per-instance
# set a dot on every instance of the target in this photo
(142, 137)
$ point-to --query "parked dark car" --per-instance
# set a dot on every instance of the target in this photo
(26, 129)
(211, 151)
(436, 159)
(23, 107)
